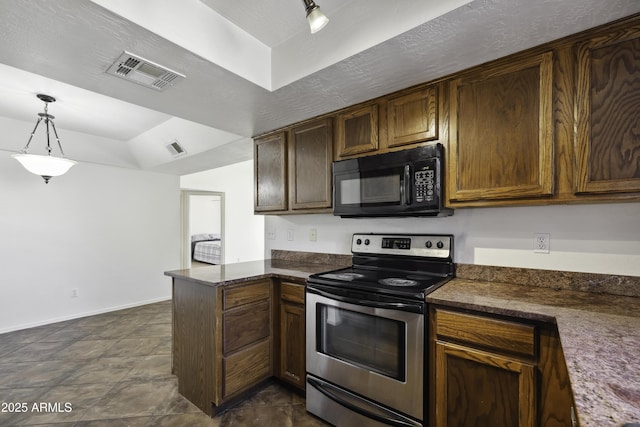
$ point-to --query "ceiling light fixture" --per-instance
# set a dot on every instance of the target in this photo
(317, 20)
(46, 166)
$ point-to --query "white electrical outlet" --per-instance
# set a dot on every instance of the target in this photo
(74, 293)
(290, 235)
(313, 234)
(271, 234)
(541, 243)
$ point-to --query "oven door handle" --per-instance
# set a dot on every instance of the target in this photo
(338, 296)
(384, 416)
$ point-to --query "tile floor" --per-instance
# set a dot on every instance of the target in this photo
(114, 369)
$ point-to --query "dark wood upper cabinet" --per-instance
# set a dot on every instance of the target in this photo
(310, 156)
(501, 131)
(608, 119)
(413, 117)
(357, 130)
(270, 162)
(558, 123)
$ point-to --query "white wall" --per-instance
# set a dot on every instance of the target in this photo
(108, 232)
(602, 238)
(204, 214)
(244, 231)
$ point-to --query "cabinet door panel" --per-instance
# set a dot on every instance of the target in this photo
(608, 105)
(245, 294)
(477, 388)
(245, 325)
(357, 131)
(413, 118)
(487, 332)
(502, 132)
(270, 161)
(292, 343)
(246, 368)
(292, 292)
(310, 156)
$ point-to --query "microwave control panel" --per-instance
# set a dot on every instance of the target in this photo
(424, 182)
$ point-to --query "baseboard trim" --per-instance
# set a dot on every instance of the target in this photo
(80, 315)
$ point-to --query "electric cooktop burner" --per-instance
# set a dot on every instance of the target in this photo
(344, 276)
(395, 281)
(407, 266)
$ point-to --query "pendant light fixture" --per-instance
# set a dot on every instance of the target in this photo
(46, 166)
(316, 19)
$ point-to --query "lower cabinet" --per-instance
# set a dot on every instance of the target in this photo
(497, 372)
(291, 366)
(222, 340)
(246, 336)
(228, 339)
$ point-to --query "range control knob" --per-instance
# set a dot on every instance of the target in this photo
(366, 241)
(428, 244)
(440, 245)
(358, 241)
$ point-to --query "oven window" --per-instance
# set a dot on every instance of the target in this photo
(370, 190)
(371, 342)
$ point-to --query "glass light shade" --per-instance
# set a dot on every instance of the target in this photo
(45, 166)
(317, 20)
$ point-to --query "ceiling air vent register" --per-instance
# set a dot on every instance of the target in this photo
(176, 149)
(142, 71)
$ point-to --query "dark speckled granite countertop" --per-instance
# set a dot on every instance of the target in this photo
(217, 275)
(599, 332)
(600, 336)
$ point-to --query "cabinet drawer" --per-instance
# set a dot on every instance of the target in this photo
(247, 368)
(292, 292)
(486, 332)
(241, 295)
(245, 325)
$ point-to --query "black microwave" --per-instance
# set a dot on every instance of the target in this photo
(400, 183)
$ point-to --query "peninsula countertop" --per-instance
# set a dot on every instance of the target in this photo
(600, 333)
(227, 274)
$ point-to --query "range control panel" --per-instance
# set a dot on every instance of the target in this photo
(422, 245)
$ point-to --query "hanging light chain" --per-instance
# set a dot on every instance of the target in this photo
(48, 118)
(26, 147)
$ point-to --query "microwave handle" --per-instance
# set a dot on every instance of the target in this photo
(407, 185)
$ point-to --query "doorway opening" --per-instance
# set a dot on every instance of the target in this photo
(202, 236)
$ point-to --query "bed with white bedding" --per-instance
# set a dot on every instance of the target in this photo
(206, 248)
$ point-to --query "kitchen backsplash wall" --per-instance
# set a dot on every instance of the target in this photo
(583, 238)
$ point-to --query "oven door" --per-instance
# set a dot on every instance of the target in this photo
(367, 347)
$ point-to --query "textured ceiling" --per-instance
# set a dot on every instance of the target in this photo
(274, 21)
(65, 46)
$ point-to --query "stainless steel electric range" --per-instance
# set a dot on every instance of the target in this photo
(366, 328)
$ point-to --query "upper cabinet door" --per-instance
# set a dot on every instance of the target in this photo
(608, 113)
(413, 117)
(501, 132)
(310, 156)
(270, 161)
(357, 130)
